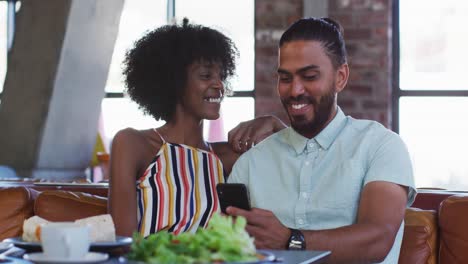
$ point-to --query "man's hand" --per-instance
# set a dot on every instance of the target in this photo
(248, 133)
(263, 225)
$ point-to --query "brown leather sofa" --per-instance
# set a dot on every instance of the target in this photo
(437, 231)
(19, 203)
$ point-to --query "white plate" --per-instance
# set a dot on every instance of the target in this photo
(4, 246)
(94, 246)
(91, 257)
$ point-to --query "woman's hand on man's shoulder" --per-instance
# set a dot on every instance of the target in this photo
(249, 133)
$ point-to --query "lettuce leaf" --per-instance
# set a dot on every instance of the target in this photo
(224, 240)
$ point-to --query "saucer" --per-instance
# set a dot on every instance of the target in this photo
(90, 257)
(4, 246)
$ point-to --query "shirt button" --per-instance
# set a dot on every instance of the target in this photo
(307, 163)
(311, 145)
(300, 221)
(304, 194)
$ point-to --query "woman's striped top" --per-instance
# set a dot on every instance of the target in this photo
(177, 192)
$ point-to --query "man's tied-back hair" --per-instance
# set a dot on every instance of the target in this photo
(156, 68)
(324, 30)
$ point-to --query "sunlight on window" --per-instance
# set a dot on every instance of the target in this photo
(223, 15)
(435, 130)
(120, 113)
(233, 111)
(137, 18)
(432, 45)
(140, 16)
(3, 42)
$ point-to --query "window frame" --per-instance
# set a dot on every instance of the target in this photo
(397, 92)
(10, 15)
(171, 15)
(109, 95)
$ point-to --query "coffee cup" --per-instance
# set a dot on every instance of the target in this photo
(65, 240)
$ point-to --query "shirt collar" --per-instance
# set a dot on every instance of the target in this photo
(325, 138)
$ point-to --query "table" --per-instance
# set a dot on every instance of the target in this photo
(282, 256)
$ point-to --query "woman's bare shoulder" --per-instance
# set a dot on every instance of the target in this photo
(136, 142)
(134, 136)
(135, 148)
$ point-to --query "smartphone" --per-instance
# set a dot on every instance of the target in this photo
(233, 194)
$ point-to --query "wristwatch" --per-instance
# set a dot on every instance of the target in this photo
(296, 240)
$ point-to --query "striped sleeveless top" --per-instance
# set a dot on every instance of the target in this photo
(177, 192)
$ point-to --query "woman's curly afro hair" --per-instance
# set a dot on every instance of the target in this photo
(155, 69)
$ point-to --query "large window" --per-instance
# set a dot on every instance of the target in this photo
(118, 111)
(3, 42)
(430, 92)
(139, 16)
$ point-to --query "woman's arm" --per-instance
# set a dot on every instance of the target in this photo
(122, 188)
(244, 136)
(248, 133)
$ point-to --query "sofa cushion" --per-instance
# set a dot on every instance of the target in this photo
(419, 245)
(16, 205)
(453, 224)
(68, 206)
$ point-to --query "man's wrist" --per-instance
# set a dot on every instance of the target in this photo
(296, 240)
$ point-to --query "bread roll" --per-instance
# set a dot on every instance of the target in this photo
(101, 228)
(32, 228)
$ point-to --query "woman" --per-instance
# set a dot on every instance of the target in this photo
(165, 178)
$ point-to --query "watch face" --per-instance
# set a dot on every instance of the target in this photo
(295, 244)
(296, 240)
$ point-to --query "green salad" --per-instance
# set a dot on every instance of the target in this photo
(224, 240)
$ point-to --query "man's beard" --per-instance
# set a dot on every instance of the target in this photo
(322, 112)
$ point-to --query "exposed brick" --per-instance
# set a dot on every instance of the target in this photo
(344, 19)
(356, 115)
(339, 4)
(382, 32)
(367, 104)
(367, 28)
(367, 62)
(379, 18)
(360, 89)
(351, 47)
(276, 13)
(268, 106)
(346, 103)
(357, 33)
(270, 51)
(268, 36)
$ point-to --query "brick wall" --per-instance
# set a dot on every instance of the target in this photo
(367, 32)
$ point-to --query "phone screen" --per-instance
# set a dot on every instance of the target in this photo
(233, 194)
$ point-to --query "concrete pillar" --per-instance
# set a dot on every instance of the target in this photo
(55, 82)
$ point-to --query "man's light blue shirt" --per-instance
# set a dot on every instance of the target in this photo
(315, 184)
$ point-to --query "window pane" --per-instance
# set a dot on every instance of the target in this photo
(137, 18)
(233, 111)
(120, 113)
(432, 44)
(435, 130)
(223, 15)
(3, 42)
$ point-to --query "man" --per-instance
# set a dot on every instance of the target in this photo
(328, 182)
